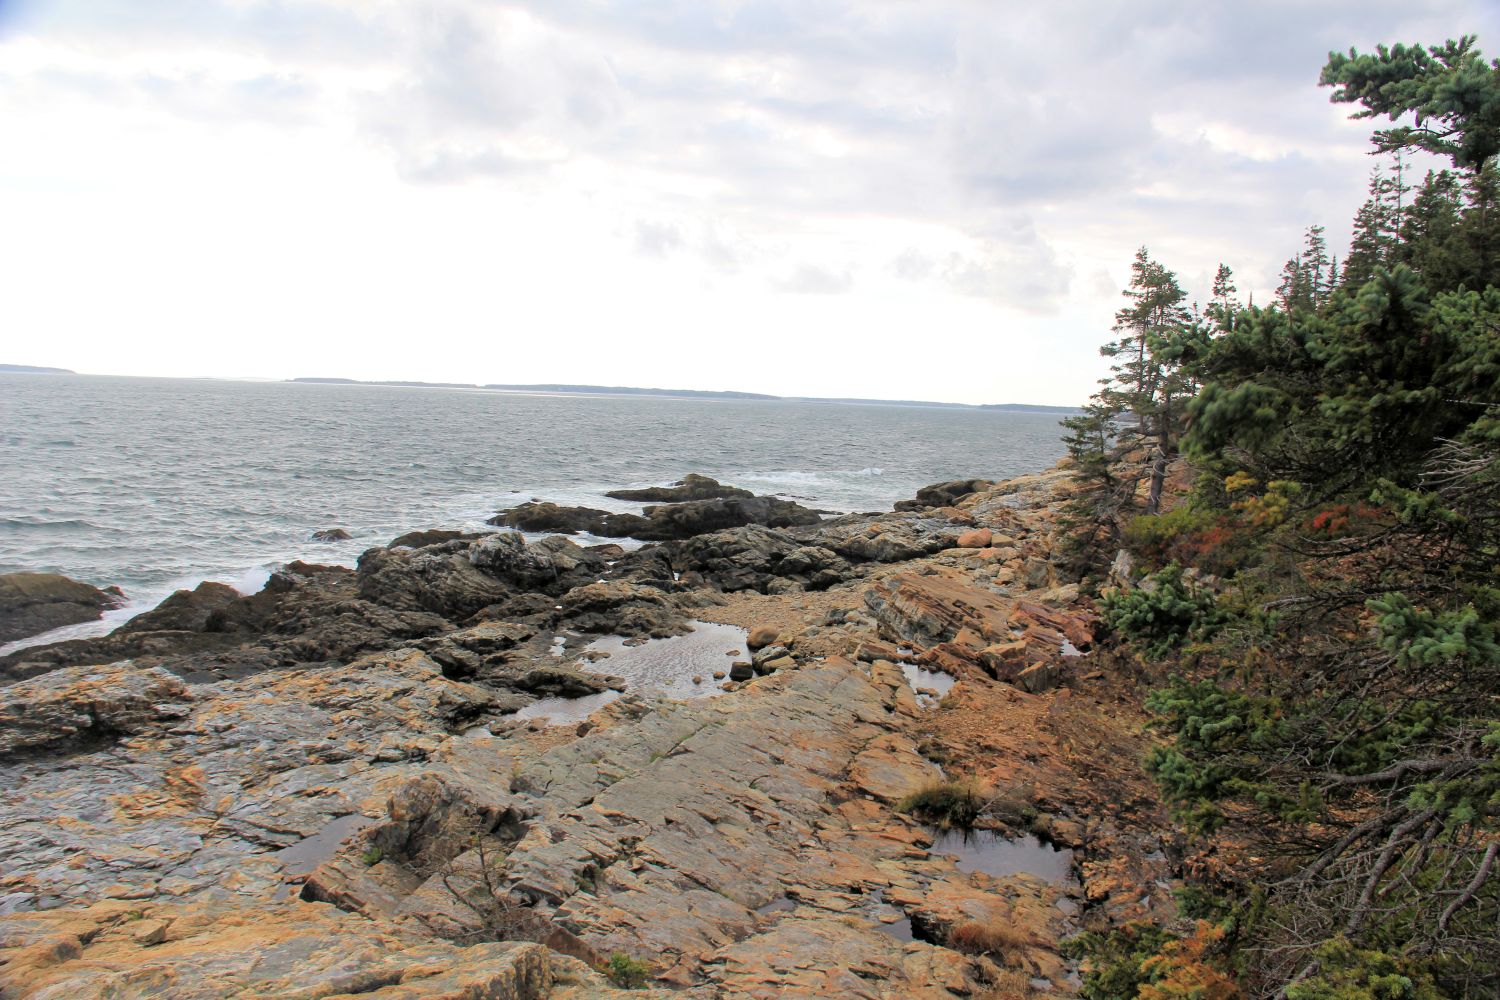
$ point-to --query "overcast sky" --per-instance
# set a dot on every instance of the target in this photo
(934, 200)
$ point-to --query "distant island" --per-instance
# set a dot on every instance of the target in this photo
(34, 370)
(620, 390)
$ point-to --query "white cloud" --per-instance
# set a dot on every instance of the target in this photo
(503, 189)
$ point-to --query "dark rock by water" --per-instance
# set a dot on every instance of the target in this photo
(660, 522)
(32, 603)
(690, 487)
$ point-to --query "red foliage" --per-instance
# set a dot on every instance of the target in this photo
(1342, 520)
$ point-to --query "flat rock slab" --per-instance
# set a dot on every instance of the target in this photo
(298, 951)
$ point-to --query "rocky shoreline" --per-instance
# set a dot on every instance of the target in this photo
(341, 785)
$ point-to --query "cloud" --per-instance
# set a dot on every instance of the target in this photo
(811, 279)
(1018, 270)
(958, 156)
(657, 239)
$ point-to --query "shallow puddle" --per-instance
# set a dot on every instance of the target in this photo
(560, 711)
(889, 920)
(310, 852)
(989, 852)
(666, 667)
(935, 681)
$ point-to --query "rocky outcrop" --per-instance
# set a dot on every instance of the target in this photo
(185, 610)
(438, 578)
(331, 535)
(739, 559)
(689, 487)
(304, 951)
(552, 565)
(944, 494)
(887, 538)
(538, 516)
(323, 789)
(661, 522)
(422, 539)
(74, 709)
(33, 603)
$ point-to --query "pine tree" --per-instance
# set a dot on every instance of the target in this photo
(1224, 307)
(1366, 247)
(1292, 294)
(1479, 230)
(1152, 348)
(1430, 242)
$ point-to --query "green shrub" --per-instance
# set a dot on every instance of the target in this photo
(1112, 960)
(625, 972)
(1163, 613)
(372, 856)
(1348, 973)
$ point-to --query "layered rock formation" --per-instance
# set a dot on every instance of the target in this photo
(325, 789)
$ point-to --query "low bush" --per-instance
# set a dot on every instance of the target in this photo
(625, 972)
(1163, 613)
(945, 804)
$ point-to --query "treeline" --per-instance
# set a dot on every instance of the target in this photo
(1291, 512)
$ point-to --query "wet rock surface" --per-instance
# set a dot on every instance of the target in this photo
(33, 603)
(326, 788)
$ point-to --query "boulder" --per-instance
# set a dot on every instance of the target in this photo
(1043, 676)
(979, 538)
(551, 518)
(621, 608)
(767, 653)
(770, 666)
(185, 610)
(944, 494)
(927, 610)
(443, 579)
(331, 535)
(422, 539)
(33, 603)
(690, 487)
(763, 635)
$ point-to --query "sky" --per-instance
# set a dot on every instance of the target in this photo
(917, 200)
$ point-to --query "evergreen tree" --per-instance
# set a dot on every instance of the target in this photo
(1151, 354)
(1452, 93)
(1430, 242)
(1315, 266)
(1223, 308)
(1369, 245)
(1479, 229)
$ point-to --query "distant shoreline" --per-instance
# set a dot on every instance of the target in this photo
(615, 390)
(34, 370)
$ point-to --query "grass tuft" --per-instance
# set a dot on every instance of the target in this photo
(945, 804)
(999, 941)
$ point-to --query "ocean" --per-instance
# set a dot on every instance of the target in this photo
(155, 484)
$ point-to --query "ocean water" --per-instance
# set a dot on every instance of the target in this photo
(156, 484)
